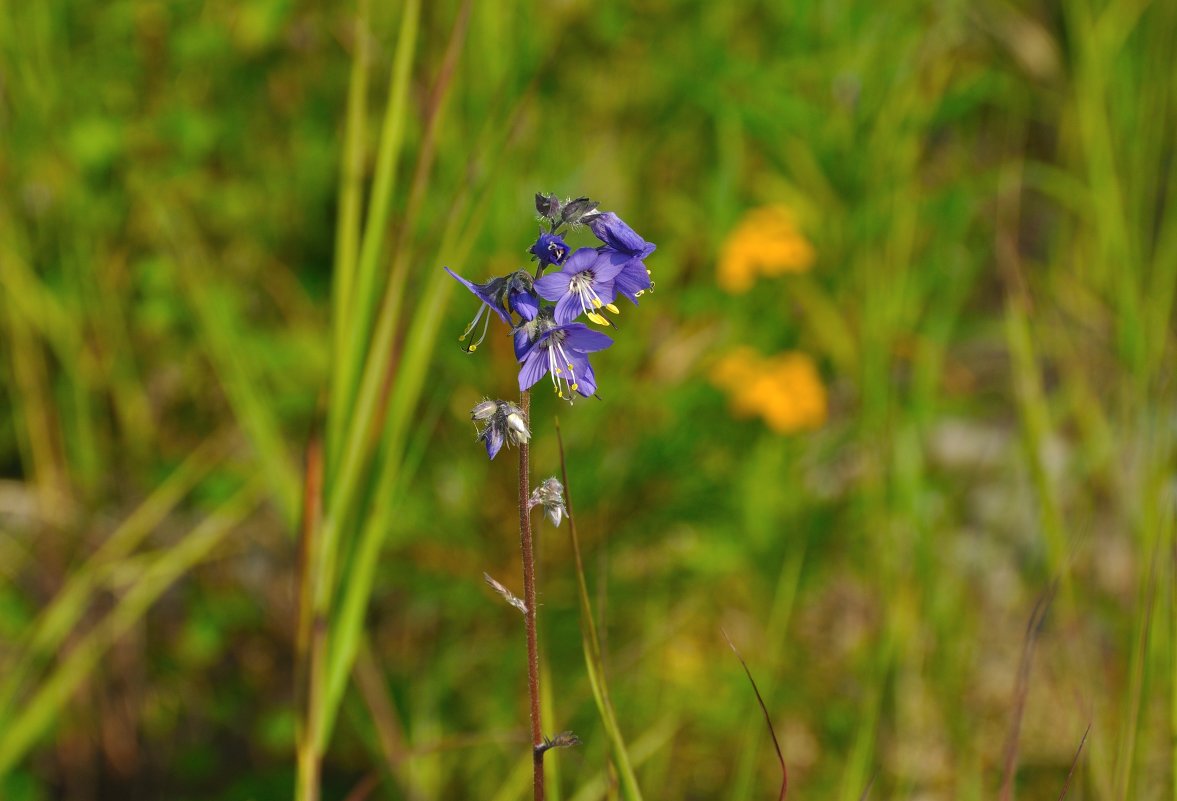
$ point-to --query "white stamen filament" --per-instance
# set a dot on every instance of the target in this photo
(483, 309)
(557, 361)
(590, 302)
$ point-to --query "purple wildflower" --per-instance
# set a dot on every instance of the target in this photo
(561, 352)
(634, 278)
(492, 435)
(549, 249)
(502, 295)
(584, 284)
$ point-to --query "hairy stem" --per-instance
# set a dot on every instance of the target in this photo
(528, 549)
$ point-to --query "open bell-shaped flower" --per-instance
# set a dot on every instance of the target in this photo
(633, 279)
(502, 295)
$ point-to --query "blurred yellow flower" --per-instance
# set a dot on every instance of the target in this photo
(766, 242)
(785, 389)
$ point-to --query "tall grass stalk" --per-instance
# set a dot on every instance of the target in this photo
(591, 646)
(359, 292)
(53, 692)
(68, 608)
(370, 417)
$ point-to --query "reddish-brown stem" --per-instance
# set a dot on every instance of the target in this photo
(528, 549)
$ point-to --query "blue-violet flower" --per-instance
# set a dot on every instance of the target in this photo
(502, 295)
(559, 351)
(584, 284)
(634, 278)
(549, 249)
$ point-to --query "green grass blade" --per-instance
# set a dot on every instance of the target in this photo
(71, 604)
(45, 705)
(363, 295)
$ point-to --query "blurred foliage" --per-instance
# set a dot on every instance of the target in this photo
(987, 190)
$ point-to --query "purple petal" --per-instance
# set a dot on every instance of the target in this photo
(580, 337)
(483, 293)
(578, 262)
(493, 437)
(609, 263)
(632, 280)
(568, 309)
(469, 285)
(523, 343)
(611, 230)
(553, 286)
(535, 367)
(586, 380)
(549, 248)
(525, 305)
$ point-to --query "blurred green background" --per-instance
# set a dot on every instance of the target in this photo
(983, 326)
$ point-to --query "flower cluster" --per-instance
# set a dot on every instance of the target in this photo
(585, 282)
(502, 421)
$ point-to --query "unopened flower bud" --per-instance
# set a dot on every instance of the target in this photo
(503, 421)
(517, 428)
(550, 495)
(484, 410)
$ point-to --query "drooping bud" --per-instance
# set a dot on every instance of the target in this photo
(578, 211)
(550, 495)
(484, 410)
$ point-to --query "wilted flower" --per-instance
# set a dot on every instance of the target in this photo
(584, 284)
(766, 242)
(503, 422)
(559, 351)
(549, 249)
(502, 295)
(550, 495)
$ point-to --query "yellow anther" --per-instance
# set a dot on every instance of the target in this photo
(597, 303)
(462, 338)
(472, 349)
(558, 371)
(598, 319)
(613, 308)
